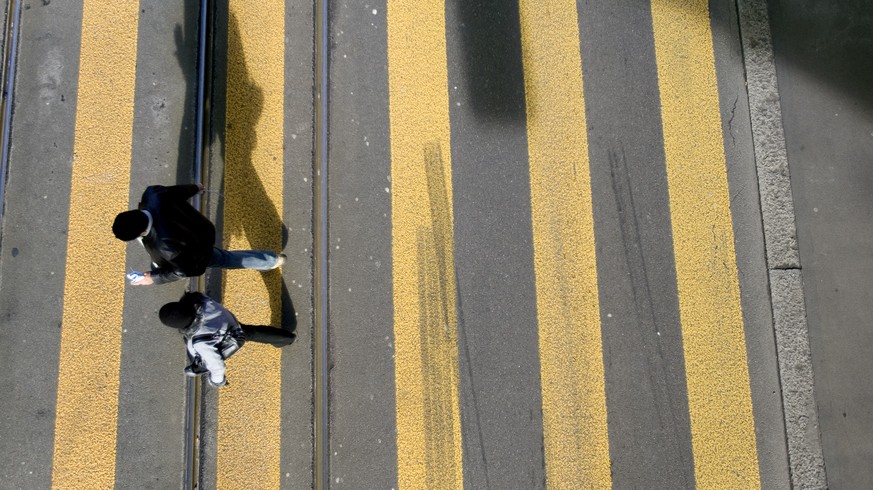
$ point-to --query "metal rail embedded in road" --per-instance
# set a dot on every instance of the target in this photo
(10, 55)
(192, 414)
(191, 478)
(322, 472)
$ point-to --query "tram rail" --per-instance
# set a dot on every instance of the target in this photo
(191, 477)
(10, 58)
(320, 229)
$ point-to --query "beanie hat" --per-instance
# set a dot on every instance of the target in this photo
(177, 315)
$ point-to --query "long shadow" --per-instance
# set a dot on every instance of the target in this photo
(248, 191)
(831, 41)
(490, 34)
(186, 54)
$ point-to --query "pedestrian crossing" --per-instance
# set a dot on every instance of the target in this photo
(415, 396)
(571, 359)
(722, 425)
(249, 411)
(425, 309)
(90, 355)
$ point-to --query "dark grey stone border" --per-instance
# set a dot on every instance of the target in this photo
(806, 462)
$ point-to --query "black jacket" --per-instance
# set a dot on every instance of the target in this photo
(181, 239)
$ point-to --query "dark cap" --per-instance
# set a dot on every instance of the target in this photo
(177, 314)
(129, 225)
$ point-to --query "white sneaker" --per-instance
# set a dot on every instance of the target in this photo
(280, 262)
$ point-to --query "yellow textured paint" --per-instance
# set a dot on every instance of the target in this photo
(249, 424)
(571, 358)
(719, 398)
(425, 315)
(90, 357)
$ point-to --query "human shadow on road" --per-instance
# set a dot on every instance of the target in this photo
(246, 202)
(186, 54)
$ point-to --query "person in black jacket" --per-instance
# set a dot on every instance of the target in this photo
(212, 334)
(179, 239)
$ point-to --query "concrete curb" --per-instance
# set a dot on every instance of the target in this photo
(777, 205)
(806, 462)
(795, 370)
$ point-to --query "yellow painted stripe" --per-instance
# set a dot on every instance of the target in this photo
(574, 397)
(719, 398)
(90, 357)
(249, 422)
(425, 321)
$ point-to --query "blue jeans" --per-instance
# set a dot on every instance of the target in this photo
(261, 260)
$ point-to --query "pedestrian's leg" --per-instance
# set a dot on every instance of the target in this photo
(262, 260)
(276, 337)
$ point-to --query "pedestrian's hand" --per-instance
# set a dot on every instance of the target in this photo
(202, 188)
(145, 281)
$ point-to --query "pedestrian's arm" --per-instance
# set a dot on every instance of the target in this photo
(166, 273)
(212, 361)
(184, 192)
(160, 276)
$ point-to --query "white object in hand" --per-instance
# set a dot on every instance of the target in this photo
(135, 277)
